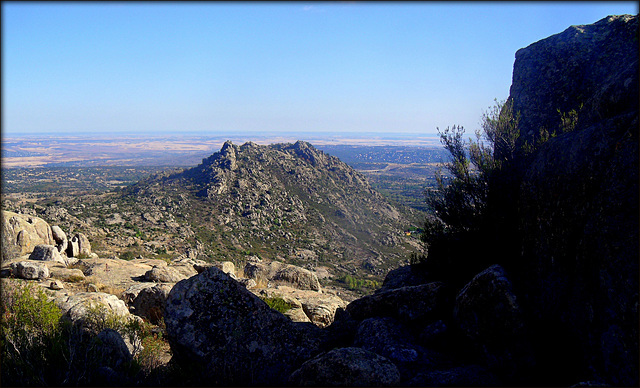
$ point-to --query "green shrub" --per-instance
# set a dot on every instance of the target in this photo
(354, 283)
(99, 318)
(32, 339)
(39, 348)
(478, 206)
(149, 358)
(278, 304)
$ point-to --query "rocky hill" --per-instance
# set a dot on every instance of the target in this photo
(289, 201)
(286, 202)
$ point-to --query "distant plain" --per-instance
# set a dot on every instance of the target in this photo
(168, 149)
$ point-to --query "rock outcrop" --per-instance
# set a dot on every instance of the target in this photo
(579, 199)
(27, 234)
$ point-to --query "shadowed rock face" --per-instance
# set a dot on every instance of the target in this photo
(486, 310)
(232, 337)
(347, 367)
(594, 65)
(579, 198)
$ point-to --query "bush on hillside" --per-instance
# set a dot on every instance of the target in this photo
(37, 347)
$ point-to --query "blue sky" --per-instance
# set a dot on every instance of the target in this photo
(225, 67)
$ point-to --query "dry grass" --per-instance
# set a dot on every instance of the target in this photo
(240, 273)
(74, 279)
(261, 281)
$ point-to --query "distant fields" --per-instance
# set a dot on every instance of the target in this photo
(164, 150)
(75, 165)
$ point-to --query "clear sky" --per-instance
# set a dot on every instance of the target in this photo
(309, 66)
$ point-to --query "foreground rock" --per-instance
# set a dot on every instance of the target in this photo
(78, 308)
(346, 367)
(462, 376)
(230, 336)
(486, 310)
(407, 304)
(388, 338)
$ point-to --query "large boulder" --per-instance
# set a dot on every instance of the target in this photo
(319, 308)
(30, 270)
(486, 310)
(226, 267)
(77, 308)
(407, 275)
(60, 238)
(84, 246)
(412, 304)
(346, 367)
(113, 349)
(24, 232)
(164, 275)
(132, 292)
(299, 278)
(66, 274)
(186, 270)
(150, 301)
(46, 253)
(258, 270)
(107, 360)
(230, 336)
(73, 247)
(591, 68)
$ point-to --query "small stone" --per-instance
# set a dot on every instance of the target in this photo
(56, 285)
